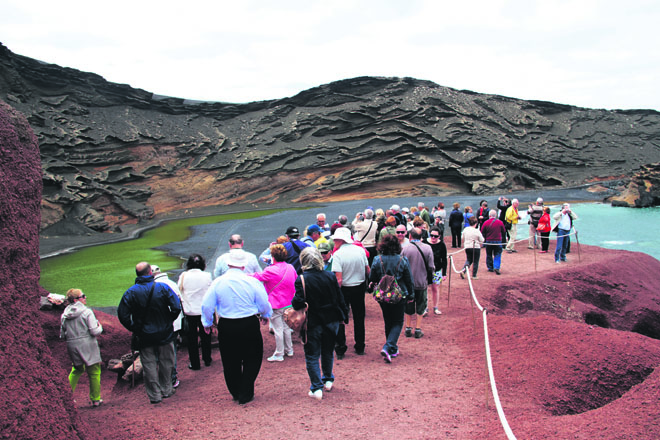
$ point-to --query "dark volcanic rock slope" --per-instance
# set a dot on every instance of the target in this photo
(112, 154)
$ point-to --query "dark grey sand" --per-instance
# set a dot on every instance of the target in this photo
(211, 240)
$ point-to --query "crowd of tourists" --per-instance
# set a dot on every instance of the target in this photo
(398, 254)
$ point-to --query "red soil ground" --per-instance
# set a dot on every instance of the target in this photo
(557, 378)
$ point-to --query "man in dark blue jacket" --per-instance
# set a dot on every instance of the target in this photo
(148, 309)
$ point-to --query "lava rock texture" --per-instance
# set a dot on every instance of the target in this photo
(113, 155)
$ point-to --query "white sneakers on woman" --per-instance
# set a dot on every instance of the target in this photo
(318, 394)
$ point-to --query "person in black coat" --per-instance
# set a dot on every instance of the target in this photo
(326, 309)
(456, 221)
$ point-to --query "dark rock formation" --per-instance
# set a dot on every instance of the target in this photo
(112, 154)
(642, 190)
(36, 401)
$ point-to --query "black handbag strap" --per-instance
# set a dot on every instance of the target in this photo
(426, 264)
(146, 308)
(367, 233)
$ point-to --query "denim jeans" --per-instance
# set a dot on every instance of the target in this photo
(562, 244)
(320, 344)
(493, 254)
(393, 318)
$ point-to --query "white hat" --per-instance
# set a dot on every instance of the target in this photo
(237, 258)
(155, 269)
(395, 208)
(343, 234)
(539, 200)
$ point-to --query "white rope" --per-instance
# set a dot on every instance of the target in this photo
(489, 363)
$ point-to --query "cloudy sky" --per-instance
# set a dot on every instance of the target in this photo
(589, 53)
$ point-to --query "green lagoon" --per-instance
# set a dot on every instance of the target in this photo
(106, 271)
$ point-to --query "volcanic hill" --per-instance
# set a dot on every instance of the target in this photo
(112, 154)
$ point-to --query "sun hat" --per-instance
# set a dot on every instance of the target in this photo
(237, 258)
(343, 234)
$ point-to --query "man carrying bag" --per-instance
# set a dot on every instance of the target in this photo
(148, 310)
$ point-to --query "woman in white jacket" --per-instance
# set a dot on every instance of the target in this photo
(80, 328)
(193, 284)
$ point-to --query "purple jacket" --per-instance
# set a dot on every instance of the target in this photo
(493, 230)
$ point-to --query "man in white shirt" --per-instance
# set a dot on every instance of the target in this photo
(350, 265)
(236, 246)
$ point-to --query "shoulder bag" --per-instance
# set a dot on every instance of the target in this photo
(297, 319)
(429, 273)
(136, 343)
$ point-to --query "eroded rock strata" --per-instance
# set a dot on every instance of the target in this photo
(112, 154)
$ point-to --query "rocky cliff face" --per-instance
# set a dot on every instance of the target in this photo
(26, 362)
(112, 155)
(642, 189)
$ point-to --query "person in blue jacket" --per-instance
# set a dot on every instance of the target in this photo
(148, 310)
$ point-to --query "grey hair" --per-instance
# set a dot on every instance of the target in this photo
(492, 213)
(368, 213)
(310, 258)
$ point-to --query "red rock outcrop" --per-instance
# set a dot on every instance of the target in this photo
(36, 401)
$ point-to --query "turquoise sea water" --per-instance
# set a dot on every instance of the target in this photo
(633, 229)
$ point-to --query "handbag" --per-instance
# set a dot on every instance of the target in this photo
(297, 319)
(387, 290)
(136, 341)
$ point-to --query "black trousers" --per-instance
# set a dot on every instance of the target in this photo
(456, 236)
(195, 329)
(242, 349)
(354, 297)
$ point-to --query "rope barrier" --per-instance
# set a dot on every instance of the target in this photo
(489, 364)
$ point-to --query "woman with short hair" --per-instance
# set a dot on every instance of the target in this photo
(80, 328)
(389, 261)
(193, 284)
(278, 280)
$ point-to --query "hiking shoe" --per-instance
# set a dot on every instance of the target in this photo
(97, 403)
(395, 354)
(497, 271)
(437, 311)
(289, 354)
(408, 332)
(175, 384)
(418, 333)
(274, 358)
(328, 385)
(318, 394)
(386, 356)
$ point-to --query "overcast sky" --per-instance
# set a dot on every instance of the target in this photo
(589, 53)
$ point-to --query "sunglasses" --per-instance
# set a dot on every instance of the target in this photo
(400, 232)
(82, 296)
(435, 236)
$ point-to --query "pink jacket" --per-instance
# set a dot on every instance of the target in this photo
(278, 280)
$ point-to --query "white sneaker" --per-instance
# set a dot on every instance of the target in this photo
(328, 385)
(274, 358)
(318, 394)
(290, 354)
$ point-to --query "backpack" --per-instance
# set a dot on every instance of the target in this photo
(387, 290)
(535, 216)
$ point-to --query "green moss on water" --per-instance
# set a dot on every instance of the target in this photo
(104, 272)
